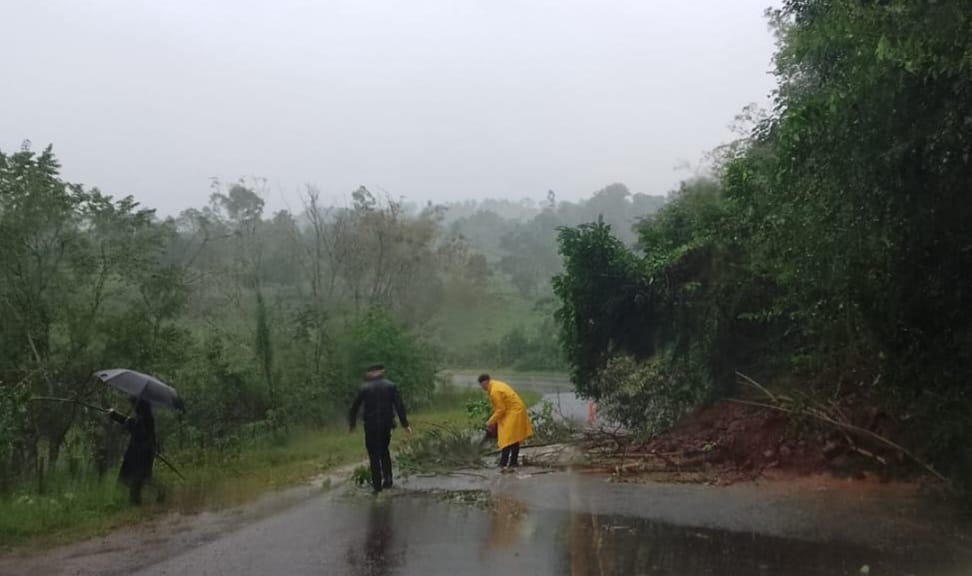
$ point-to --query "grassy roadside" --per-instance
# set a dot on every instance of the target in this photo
(82, 506)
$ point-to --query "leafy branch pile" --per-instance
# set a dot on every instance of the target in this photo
(440, 448)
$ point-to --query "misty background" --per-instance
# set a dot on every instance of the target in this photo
(430, 101)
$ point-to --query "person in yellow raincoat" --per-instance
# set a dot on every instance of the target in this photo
(510, 420)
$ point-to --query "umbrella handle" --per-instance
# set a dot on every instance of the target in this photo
(169, 464)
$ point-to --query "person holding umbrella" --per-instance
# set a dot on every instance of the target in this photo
(380, 398)
(509, 420)
(143, 391)
(136, 469)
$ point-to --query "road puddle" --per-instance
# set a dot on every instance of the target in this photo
(431, 534)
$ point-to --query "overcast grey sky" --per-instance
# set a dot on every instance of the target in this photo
(431, 100)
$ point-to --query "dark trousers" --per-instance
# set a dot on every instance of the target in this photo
(510, 456)
(136, 472)
(377, 440)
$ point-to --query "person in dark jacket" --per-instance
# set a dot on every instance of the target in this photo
(136, 469)
(381, 402)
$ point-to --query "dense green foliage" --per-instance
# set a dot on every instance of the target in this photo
(263, 323)
(526, 249)
(377, 337)
(832, 248)
(515, 255)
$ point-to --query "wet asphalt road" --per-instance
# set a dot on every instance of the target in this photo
(566, 523)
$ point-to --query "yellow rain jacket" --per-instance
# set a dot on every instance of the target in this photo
(509, 414)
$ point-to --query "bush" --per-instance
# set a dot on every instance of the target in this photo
(549, 426)
(410, 362)
(650, 397)
(361, 476)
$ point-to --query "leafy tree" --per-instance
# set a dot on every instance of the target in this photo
(531, 257)
(377, 337)
(67, 253)
(835, 243)
(867, 179)
(602, 309)
(264, 345)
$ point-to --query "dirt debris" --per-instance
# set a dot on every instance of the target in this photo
(729, 442)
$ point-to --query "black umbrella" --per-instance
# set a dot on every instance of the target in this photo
(137, 385)
(142, 386)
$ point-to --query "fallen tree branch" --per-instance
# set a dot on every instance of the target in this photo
(464, 473)
(619, 438)
(757, 385)
(869, 454)
(850, 428)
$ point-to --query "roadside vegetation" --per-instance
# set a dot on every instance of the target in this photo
(77, 503)
(262, 322)
(828, 258)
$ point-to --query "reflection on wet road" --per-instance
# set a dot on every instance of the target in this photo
(505, 532)
(379, 552)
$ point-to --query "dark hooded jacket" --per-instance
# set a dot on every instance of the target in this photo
(381, 401)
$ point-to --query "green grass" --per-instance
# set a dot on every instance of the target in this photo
(86, 504)
(83, 506)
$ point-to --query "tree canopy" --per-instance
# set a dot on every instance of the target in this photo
(832, 246)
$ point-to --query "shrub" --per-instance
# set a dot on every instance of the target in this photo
(650, 397)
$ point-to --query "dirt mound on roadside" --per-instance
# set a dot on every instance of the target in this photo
(731, 441)
(739, 439)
